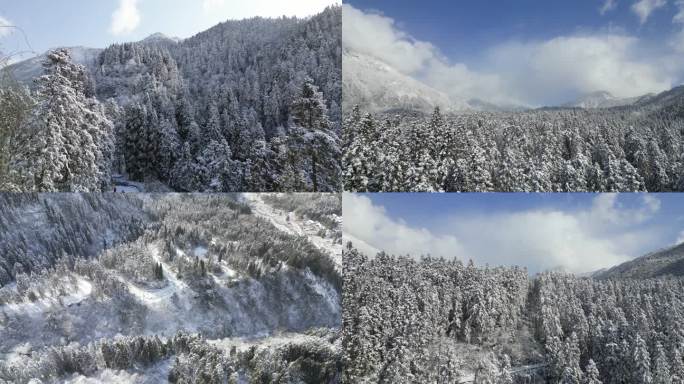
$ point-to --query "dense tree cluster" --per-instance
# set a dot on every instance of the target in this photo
(249, 105)
(612, 331)
(66, 141)
(193, 360)
(400, 314)
(16, 104)
(133, 260)
(234, 236)
(623, 149)
(397, 310)
(314, 360)
(36, 230)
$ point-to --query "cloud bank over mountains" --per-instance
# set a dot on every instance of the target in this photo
(529, 72)
(601, 235)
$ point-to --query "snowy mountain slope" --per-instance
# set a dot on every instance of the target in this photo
(603, 99)
(668, 98)
(666, 262)
(377, 87)
(36, 230)
(360, 245)
(26, 71)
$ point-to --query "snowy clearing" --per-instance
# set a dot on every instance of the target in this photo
(265, 341)
(155, 296)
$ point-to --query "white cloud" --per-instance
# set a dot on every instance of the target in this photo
(539, 240)
(600, 236)
(416, 58)
(679, 16)
(4, 23)
(680, 238)
(677, 40)
(377, 35)
(370, 229)
(578, 64)
(606, 211)
(644, 8)
(126, 18)
(603, 235)
(211, 5)
(608, 6)
(524, 72)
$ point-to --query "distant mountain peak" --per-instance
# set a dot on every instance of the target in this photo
(601, 94)
(160, 37)
(598, 99)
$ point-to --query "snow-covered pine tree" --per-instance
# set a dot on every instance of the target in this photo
(661, 372)
(591, 374)
(677, 367)
(642, 362)
(312, 130)
(69, 138)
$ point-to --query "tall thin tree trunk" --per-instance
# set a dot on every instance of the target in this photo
(314, 177)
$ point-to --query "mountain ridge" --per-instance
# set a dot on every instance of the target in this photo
(605, 99)
(378, 86)
(668, 261)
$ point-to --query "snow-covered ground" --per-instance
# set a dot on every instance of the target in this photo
(324, 290)
(290, 223)
(160, 298)
(39, 307)
(157, 373)
(123, 185)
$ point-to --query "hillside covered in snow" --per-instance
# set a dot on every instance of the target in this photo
(668, 262)
(196, 288)
(376, 86)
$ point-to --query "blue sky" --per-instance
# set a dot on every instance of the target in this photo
(99, 23)
(460, 29)
(577, 232)
(532, 52)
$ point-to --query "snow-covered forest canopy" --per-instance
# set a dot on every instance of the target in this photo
(621, 149)
(440, 321)
(170, 287)
(250, 105)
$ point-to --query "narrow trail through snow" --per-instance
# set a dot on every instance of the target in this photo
(155, 296)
